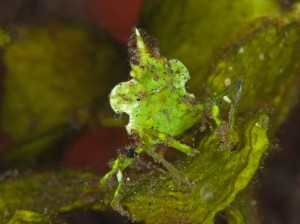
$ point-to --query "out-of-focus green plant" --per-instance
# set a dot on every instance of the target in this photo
(47, 71)
(201, 29)
(56, 77)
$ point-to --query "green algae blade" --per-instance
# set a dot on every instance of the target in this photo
(218, 176)
(45, 193)
(268, 61)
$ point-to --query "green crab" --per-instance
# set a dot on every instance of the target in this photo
(158, 106)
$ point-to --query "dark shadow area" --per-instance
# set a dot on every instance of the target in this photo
(95, 217)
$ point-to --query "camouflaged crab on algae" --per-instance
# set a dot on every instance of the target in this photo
(230, 153)
(264, 63)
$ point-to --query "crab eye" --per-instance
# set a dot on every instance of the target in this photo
(131, 153)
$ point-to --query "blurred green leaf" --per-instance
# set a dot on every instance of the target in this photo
(52, 74)
(56, 78)
(194, 30)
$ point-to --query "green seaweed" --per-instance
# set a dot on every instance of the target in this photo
(46, 193)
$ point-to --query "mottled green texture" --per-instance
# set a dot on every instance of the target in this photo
(45, 193)
(269, 63)
(193, 30)
(52, 74)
